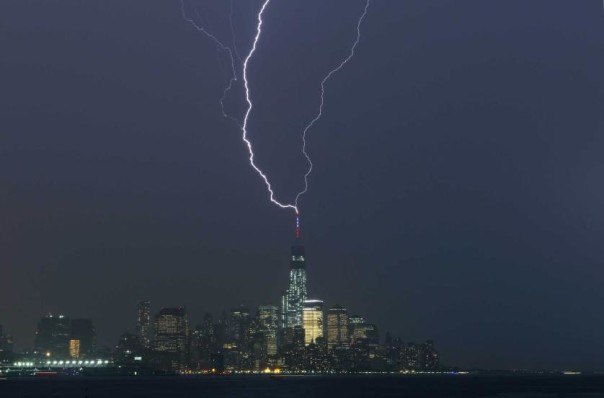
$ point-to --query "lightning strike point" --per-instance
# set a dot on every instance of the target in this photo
(233, 54)
(248, 99)
(297, 227)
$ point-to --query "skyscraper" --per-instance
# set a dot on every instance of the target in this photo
(208, 337)
(296, 293)
(352, 321)
(82, 331)
(129, 350)
(337, 327)
(429, 356)
(283, 311)
(6, 345)
(238, 326)
(312, 320)
(268, 317)
(365, 331)
(196, 351)
(171, 334)
(74, 348)
(52, 336)
(143, 323)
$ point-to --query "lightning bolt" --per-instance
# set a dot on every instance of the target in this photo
(233, 79)
(322, 102)
(249, 110)
(220, 45)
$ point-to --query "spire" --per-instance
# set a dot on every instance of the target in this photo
(297, 227)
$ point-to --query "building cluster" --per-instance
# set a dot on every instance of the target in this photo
(62, 337)
(299, 335)
(58, 339)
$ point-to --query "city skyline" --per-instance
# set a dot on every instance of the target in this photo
(455, 195)
(301, 335)
(294, 310)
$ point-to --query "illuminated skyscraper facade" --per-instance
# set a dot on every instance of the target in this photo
(296, 293)
(352, 321)
(283, 310)
(171, 328)
(82, 330)
(74, 349)
(365, 331)
(239, 323)
(268, 316)
(337, 327)
(143, 323)
(312, 320)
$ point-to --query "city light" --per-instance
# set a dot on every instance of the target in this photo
(291, 338)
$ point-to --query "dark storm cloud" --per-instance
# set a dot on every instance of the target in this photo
(457, 191)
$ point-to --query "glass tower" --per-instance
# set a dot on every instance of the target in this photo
(171, 329)
(337, 327)
(52, 336)
(82, 330)
(143, 323)
(268, 318)
(312, 320)
(296, 293)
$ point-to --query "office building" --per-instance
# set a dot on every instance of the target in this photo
(52, 336)
(171, 328)
(312, 320)
(143, 323)
(296, 292)
(268, 316)
(365, 331)
(337, 327)
(74, 349)
(82, 331)
(239, 323)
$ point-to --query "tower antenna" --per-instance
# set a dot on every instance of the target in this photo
(297, 226)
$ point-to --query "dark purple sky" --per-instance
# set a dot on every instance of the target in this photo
(458, 186)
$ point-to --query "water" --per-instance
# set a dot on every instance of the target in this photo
(309, 386)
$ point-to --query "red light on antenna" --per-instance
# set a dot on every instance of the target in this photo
(297, 227)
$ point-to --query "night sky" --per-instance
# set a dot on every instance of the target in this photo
(458, 184)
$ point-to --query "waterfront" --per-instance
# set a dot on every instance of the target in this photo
(510, 386)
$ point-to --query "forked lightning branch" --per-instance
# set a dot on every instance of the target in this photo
(244, 126)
